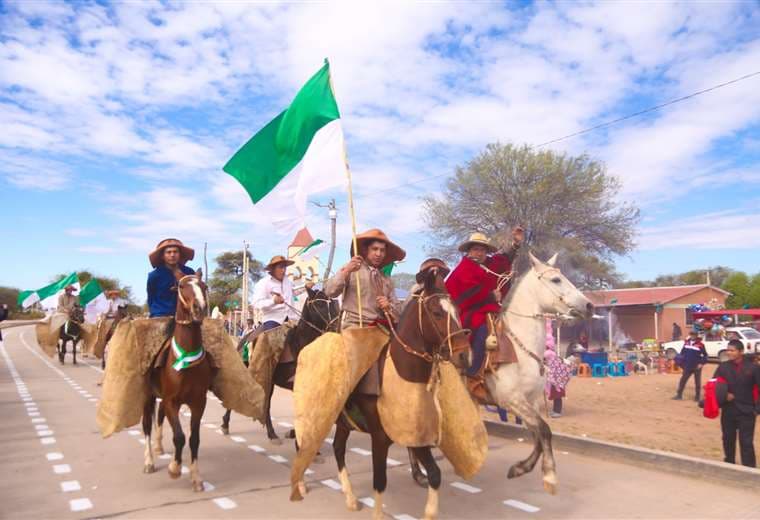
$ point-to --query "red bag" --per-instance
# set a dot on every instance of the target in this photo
(712, 406)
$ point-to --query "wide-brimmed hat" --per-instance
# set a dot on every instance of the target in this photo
(185, 253)
(432, 263)
(479, 239)
(69, 288)
(393, 253)
(278, 259)
(113, 292)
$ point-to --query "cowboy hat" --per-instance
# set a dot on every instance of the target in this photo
(278, 259)
(113, 292)
(69, 288)
(477, 239)
(431, 263)
(393, 253)
(156, 256)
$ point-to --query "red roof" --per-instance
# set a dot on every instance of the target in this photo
(754, 313)
(644, 295)
(303, 238)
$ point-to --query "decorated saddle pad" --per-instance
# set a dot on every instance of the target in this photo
(328, 370)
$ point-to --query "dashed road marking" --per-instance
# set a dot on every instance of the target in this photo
(208, 486)
(39, 420)
(404, 516)
(209, 425)
(361, 451)
(308, 471)
(332, 484)
(392, 462)
(40, 426)
(466, 487)
(256, 448)
(54, 455)
(133, 432)
(80, 504)
(70, 485)
(522, 506)
(185, 470)
(278, 459)
(47, 440)
(225, 503)
(237, 438)
(44, 433)
(285, 424)
(60, 469)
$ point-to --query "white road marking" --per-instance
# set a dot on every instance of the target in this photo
(225, 503)
(278, 459)
(165, 456)
(361, 451)
(54, 455)
(141, 441)
(26, 398)
(219, 431)
(285, 424)
(329, 440)
(210, 425)
(92, 400)
(404, 516)
(44, 433)
(47, 440)
(40, 426)
(30, 405)
(368, 501)
(392, 462)
(33, 414)
(466, 487)
(70, 485)
(256, 448)
(522, 506)
(208, 486)
(185, 470)
(237, 438)
(60, 469)
(332, 484)
(308, 471)
(80, 504)
(133, 432)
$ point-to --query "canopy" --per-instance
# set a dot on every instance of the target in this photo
(755, 313)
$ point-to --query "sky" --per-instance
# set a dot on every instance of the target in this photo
(118, 117)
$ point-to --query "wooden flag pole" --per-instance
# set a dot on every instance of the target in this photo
(351, 213)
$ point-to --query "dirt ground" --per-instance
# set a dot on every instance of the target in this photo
(638, 410)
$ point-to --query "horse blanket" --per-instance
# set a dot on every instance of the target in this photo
(132, 350)
(265, 355)
(48, 332)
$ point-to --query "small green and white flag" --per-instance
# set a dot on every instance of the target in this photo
(48, 295)
(299, 153)
(312, 250)
(94, 301)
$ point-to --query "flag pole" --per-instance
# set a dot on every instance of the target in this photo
(351, 213)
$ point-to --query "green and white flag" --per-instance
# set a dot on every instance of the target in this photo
(299, 153)
(94, 301)
(48, 295)
(312, 250)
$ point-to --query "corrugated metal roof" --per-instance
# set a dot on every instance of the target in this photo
(644, 295)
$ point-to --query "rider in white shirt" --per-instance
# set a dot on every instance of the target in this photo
(273, 294)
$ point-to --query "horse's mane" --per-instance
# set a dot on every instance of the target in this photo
(170, 326)
(512, 290)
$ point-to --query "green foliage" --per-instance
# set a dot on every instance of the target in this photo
(226, 282)
(568, 204)
(738, 284)
(718, 277)
(9, 296)
(403, 281)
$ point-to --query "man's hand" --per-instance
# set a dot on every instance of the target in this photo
(518, 235)
(729, 397)
(354, 264)
(383, 303)
(277, 299)
(497, 295)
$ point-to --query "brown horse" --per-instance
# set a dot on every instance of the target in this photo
(184, 378)
(428, 329)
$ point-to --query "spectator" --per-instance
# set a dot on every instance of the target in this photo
(3, 316)
(558, 373)
(677, 332)
(739, 408)
(692, 358)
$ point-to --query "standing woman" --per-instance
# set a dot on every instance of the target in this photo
(558, 372)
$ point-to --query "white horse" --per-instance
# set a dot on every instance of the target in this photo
(519, 387)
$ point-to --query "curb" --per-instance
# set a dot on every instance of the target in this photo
(643, 457)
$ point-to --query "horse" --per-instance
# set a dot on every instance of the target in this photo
(543, 292)
(320, 314)
(428, 330)
(71, 331)
(184, 378)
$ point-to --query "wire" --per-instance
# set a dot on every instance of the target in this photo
(581, 132)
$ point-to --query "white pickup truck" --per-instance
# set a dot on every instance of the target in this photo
(717, 349)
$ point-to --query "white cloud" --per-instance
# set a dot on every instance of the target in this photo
(720, 230)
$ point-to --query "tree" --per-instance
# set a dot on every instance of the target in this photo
(9, 296)
(753, 292)
(403, 281)
(567, 204)
(738, 285)
(226, 282)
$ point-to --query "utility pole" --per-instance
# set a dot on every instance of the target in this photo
(244, 299)
(333, 212)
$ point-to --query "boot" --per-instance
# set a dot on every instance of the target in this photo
(677, 397)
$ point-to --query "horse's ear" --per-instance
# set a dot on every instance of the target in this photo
(535, 262)
(311, 292)
(553, 260)
(429, 276)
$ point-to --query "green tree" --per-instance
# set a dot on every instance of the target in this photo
(738, 285)
(753, 292)
(226, 282)
(403, 281)
(9, 296)
(567, 204)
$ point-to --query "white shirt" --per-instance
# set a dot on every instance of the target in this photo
(263, 299)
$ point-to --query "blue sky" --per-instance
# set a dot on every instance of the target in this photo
(117, 119)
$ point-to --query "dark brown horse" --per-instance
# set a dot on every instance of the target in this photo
(71, 331)
(320, 314)
(184, 378)
(428, 329)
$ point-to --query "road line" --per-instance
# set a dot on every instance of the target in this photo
(285, 424)
(68, 486)
(47, 440)
(237, 438)
(278, 459)
(54, 455)
(362, 451)
(466, 487)
(225, 503)
(256, 448)
(332, 484)
(392, 462)
(522, 506)
(80, 504)
(404, 516)
(60, 469)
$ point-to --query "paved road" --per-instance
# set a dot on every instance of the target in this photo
(55, 465)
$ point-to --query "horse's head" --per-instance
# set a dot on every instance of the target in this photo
(191, 298)
(321, 311)
(77, 314)
(438, 318)
(555, 294)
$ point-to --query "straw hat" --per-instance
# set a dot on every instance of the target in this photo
(113, 292)
(185, 253)
(393, 253)
(278, 259)
(477, 239)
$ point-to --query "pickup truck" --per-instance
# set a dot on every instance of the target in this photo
(717, 349)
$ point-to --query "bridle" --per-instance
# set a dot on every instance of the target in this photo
(182, 300)
(329, 319)
(557, 294)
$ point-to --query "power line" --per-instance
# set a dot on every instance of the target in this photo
(585, 131)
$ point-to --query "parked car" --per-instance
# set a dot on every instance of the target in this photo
(717, 349)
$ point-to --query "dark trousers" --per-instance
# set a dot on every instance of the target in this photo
(478, 343)
(687, 372)
(557, 405)
(731, 422)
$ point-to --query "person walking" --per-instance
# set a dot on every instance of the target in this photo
(738, 410)
(693, 357)
(677, 332)
(3, 316)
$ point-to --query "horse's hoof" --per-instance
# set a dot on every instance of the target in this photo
(515, 472)
(174, 470)
(276, 441)
(353, 504)
(149, 468)
(420, 479)
(550, 487)
(225, 430)
(291, 434)
(198, 486)
(302, 488)
(295, 494)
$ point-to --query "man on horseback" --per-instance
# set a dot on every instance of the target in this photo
(477, 285)
(168, 260)
(273, 294)
(378, 298)
(67, 300)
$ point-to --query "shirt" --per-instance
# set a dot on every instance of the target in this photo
(66, 302)
(162, 300)
(373, 284)
(263, 299)
(741, 378)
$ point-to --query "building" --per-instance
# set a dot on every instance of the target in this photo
(648, 312)
(303, 270)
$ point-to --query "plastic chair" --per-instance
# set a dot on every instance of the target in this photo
(612, 369)
(599, 370)
(584, 370)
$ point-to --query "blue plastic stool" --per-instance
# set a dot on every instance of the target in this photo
(599, 370)
(621, 369)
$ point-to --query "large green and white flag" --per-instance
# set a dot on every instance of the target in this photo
(48, 295)
(94, 301)
(299, 153)
(312, 250)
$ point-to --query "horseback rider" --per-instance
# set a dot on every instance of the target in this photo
(67, 300)
(273, 295)
(378, 298)
(168, 260)
(477, 285)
